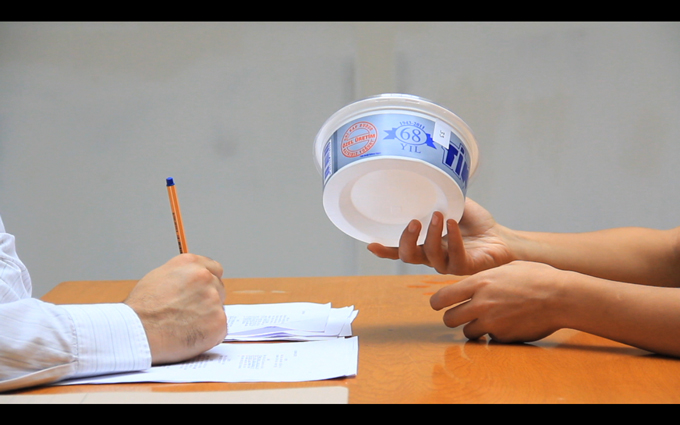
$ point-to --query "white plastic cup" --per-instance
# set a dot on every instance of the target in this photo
(391, 158)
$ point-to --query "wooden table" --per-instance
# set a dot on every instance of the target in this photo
(407, 355)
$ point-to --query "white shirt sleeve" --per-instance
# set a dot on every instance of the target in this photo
(42, 342)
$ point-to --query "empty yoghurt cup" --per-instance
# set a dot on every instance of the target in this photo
(392, 158)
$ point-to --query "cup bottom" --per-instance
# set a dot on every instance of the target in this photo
(374, 199)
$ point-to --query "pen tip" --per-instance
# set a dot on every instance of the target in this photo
(169, 181)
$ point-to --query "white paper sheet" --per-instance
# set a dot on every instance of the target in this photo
(245, 318)
(288, 321)
(252, 362)
(310, 395)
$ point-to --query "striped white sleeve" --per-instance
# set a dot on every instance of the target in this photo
(110, 338)
(42, 342)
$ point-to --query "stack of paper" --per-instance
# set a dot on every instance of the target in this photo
(288, 321)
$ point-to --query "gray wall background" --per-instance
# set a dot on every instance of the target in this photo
(577, 124)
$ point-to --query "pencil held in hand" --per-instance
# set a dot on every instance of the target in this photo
(177, 216)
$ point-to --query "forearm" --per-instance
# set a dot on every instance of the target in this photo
(635, 255)
(642, 316)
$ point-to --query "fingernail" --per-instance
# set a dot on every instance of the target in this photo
(435, 220)
(412, 226)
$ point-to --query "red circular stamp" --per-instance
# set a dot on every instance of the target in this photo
(359, 139)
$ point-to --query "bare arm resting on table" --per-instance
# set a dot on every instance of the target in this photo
(618, 283)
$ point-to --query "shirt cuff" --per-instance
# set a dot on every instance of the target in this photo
(109, 338)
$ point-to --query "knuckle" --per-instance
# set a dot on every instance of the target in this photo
(214, 297)
(186, 258)
(203, 275)
(441, 268)
(407, 256)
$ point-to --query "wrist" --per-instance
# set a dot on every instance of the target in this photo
(568, 300)
(581, 300)
(519, 244)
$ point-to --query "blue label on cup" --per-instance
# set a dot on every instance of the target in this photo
(397, 135)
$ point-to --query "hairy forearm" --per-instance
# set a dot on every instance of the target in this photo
(633, 254)
(642, 316)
